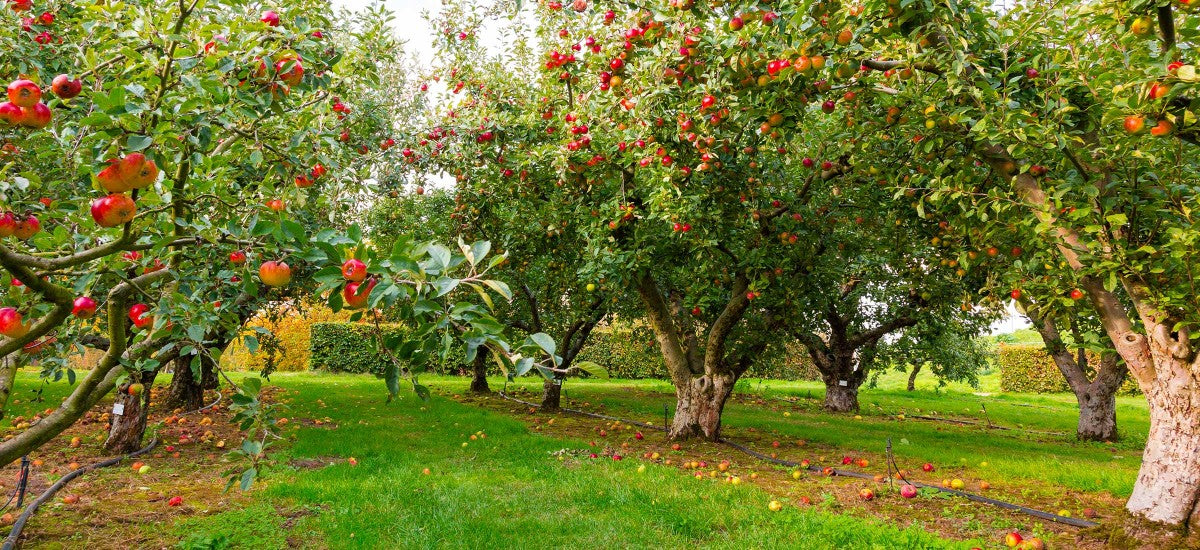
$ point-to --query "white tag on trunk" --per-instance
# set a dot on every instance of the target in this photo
(843, 383)
(118, 409)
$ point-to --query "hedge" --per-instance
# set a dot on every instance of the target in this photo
(1029, 369)
(291, 327)
(348, 347)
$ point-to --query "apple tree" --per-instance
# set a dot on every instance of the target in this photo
(1075, 124)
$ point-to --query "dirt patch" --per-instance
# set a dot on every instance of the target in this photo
(118, 507)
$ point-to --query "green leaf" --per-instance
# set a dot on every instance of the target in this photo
(248, 478)
(544, 341)
(138, 143)
(592, 369)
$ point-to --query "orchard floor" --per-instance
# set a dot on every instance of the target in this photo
(503, 476)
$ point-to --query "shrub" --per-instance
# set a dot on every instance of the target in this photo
(348, 347)
(1029, 369)
(289, 326)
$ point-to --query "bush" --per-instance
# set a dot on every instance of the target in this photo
(1029, 369)
(348, 347)
(289, 326)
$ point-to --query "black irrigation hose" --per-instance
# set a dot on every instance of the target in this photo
(969, 496)
(11, 541)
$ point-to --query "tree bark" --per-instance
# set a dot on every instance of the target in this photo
(1168, 484)
(1097, 414)
(8, 378)
(187, 392)
(840, 398)
(551, 395)
(128, 428)
(912, 376)
(479, 383)
(699, 405)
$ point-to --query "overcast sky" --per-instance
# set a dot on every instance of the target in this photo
(411, 27)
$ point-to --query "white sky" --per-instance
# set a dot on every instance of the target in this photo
(413, 29)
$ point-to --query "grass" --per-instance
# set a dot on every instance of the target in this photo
(507, 490)
(501, 491)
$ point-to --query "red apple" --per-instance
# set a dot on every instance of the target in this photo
(84, 307)
(1016, 294)
(290, 71)
(1012, 539)
(274, 273)
(276, 205)
(354, 270)
(927, 467)
(24, 93)
(26, 228)
(175, 501)
(1134, 124)
(11, 324)
(65, 88)
(113, 210)
(37, 116)
(303, 181)
(908, 491)
(866, 494)
(137, 171)
(10, 113)
(138, 314)
(270, 18)
(356, 295)
(237, 257)
(1076, 294)
(8, 224)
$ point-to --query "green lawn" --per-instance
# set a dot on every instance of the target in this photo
(503, 491)
(506, 490)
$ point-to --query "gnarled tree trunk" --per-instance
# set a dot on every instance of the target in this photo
(1168, 483)
(1097, 414)
(842, 379)
(187, 391)
(129, 425)
(699, 405)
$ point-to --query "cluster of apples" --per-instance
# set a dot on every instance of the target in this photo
(23, 227)
(358, 287)
(24, 106)
(134, 171)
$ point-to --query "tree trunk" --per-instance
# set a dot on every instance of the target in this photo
(1097, 414)
(8, 378)
(699, 404)
(840, 398)
(187, 392)
(551, 395)
(912, 376)
(129, 426)
(479, 383)
(1168, 483)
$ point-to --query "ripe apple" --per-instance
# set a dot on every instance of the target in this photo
(1140, 26)
(37, 116)
(84, 307)
(1134, 124)
(113, 210)
(1162, 128)
(356, 295)
(135, 389)
(927, 467)
(65, 88)
(138, 314)
(27, 227)
(736, 24)
(276, 205)
(8, 224)
(10, 113)
(1076, 294)
(24, 93)
(271, 18)
(175, 501)
(1012, 539)
(908, 491)
(237, 257)
(11, 324)
(354, 270)
(774, 506)
(273, 273)
(290, 71)
(136, 171)
(866, 494)
(957, 484)
(1016, 294)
